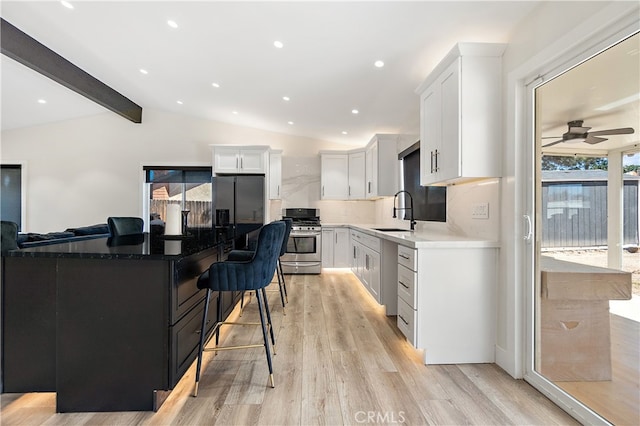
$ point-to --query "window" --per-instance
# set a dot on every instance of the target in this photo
(190, 187)
(11, 194)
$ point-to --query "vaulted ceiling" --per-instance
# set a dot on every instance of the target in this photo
(325, 67)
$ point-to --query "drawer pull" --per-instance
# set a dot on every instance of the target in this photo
(403, 320)
(403, 284)
(403, 256)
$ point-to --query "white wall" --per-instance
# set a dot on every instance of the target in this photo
(81, 171)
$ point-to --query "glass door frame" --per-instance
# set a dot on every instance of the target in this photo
(599, 42)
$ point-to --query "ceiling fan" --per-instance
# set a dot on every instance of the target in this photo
(578, 133)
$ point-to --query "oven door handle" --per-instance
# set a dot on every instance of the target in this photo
(305, 234)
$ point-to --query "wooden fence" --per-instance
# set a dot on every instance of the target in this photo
(199, 211)
(574, 214)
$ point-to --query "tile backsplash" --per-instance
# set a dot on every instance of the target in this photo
(301, 188)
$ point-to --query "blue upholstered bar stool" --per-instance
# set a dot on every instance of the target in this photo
(123, 226)
(244, 275)
(247, 254)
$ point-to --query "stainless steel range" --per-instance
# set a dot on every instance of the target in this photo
(304, 247)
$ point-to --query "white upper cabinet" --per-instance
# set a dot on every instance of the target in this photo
(460, 110)
(275, 174)
(239, 159)
(334, 176)
(381, 175)
(356, 175)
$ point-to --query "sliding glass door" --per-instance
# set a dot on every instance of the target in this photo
(585, 292)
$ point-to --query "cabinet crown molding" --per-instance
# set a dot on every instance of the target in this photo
(463, 49)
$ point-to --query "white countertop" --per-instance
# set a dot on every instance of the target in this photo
(419, 240)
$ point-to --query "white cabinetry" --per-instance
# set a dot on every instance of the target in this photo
(460, 110)
(366, 261)
(275, 174)
(239, 159)
(356, 175)
(446, 302)
(335, 247)
(342, 175)
(334, 176)
(381, 170)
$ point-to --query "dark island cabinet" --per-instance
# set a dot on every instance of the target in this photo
(106, 333)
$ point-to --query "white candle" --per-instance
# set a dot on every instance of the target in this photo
(173, 225)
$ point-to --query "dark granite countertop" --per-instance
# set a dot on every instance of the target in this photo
(145, 246)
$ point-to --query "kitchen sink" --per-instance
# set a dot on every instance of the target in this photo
(391, 230)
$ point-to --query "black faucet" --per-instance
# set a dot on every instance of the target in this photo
(413, 222)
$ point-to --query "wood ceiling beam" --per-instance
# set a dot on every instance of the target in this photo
(28, 51)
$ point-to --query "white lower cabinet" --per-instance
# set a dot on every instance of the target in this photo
(335, 247)
(446, 302)
(373, 261)
(365, 261)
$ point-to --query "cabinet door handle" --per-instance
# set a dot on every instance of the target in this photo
(403, 320)
(437, 167)
(403, 284)
(278, 190)
(432, 155)
(349, 190)
(369, 187)
(323, 190)
(366, 261)
(237, 160)
(241, 165)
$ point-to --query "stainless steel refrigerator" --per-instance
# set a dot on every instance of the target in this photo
(238, 204)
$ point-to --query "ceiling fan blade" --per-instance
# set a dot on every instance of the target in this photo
(552, 143)
(578, 130)
(621, 131)
(592, 140)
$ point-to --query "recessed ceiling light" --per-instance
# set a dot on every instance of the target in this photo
(172, 24)
(66, 4)
(290, 122)
(379, 64)
(179, 102)
(278, 44)
(234, 112)
(344, 132)
(42, 101)
(143, 71)
(354, 111)
(286, 98)
(216, 85)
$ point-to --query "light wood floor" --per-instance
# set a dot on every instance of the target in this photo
(339, 360)
(617, 400)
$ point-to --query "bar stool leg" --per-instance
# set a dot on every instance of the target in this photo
(202, 338)
(270, 324)
(281, 291)
(259, 300)
(284, 283)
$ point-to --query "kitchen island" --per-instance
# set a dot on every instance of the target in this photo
(107, 324)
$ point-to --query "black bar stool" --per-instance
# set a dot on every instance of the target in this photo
(245, 275)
